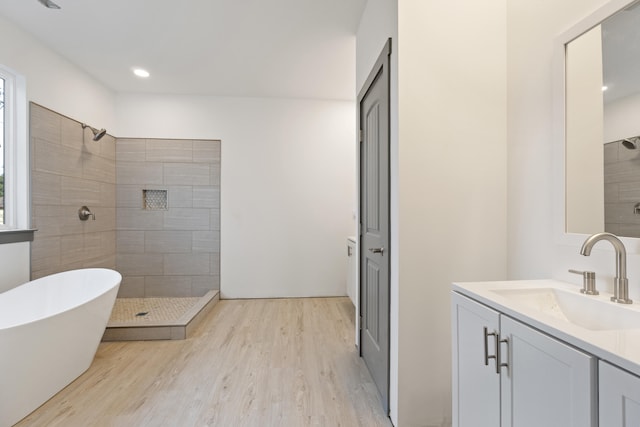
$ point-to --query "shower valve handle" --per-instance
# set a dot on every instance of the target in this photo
(84, 213)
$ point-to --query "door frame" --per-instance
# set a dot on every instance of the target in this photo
(382, 62)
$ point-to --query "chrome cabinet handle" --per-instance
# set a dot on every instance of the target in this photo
(486, 348)
(377, 250)
(502, 364)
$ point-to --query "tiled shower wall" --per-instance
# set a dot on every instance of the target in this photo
(69, 170)
(160, 252)
(172, 251)
(621, 190)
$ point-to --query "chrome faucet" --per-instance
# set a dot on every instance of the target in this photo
(621, 283)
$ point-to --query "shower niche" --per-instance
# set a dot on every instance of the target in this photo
(154, 199)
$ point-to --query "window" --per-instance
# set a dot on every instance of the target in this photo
(14, 160)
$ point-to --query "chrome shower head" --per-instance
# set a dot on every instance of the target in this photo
(97, 134)
(630, 143)
(49, 4)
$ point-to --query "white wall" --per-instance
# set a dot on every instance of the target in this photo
(15, 265)
(535, 249)
(286, 185)
(379, 22)
(56, 84)
(452, 183)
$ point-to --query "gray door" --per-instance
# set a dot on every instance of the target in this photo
(374, 218)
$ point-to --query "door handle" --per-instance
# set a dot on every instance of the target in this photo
(377, 250)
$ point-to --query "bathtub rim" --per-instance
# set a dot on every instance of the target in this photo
(108, 272)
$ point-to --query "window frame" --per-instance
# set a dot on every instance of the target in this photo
(16, 227)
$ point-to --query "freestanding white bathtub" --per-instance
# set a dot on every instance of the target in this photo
(50, 329)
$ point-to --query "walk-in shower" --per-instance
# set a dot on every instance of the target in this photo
(157, 220)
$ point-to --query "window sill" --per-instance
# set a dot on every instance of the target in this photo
(16, 236)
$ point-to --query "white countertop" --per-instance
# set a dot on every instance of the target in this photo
(619, 347)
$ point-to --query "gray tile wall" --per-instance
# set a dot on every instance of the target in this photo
(173, 252)
(621, 189)
(67, 172)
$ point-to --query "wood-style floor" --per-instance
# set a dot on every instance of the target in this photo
(284, 362)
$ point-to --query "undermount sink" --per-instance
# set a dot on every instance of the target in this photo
(589, 312)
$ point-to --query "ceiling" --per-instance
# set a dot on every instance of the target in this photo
(261, 48)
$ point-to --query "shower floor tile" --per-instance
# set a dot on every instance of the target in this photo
(141, 319)
(149, 310)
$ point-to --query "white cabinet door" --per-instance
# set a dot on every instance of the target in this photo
(547, 383)
(476, 386)
(619, 397)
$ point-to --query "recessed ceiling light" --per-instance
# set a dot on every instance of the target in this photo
(140, 72)
(605, 88)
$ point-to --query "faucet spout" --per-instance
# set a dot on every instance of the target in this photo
(621, 283)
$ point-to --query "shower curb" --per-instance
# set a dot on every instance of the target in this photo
(163, 330)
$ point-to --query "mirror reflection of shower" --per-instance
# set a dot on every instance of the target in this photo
(97, 134)
(49, 4)
(631, 143)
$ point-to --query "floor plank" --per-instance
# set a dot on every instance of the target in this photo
(283, 362)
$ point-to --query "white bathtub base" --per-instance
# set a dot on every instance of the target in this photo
(41, 357)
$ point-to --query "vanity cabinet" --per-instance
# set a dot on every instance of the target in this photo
(619, 396)
(508, 374)
(476, 387)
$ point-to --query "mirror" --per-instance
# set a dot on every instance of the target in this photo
(602, 123)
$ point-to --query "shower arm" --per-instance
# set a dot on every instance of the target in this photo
(97, 134)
